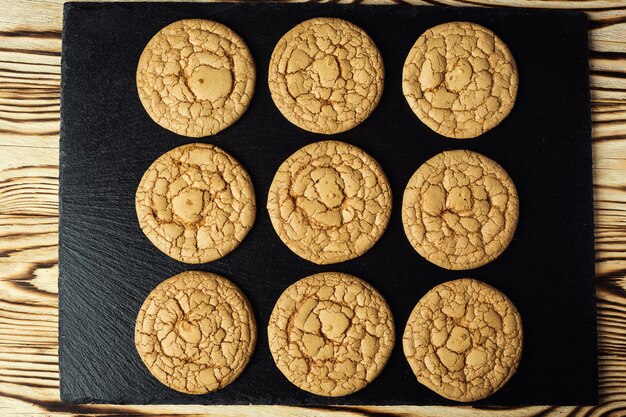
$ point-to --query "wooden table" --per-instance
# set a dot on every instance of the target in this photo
(30, 72)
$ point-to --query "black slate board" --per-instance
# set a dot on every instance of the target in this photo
(108, 267)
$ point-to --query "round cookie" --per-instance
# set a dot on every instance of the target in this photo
(460, 210)
(463, 340)
(326, 75)
(195, 332)
(331, 334)
(329, 202)
(195, 203)
(460, 79)
(195, 77)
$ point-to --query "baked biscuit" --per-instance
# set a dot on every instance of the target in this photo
(329, 202)
(195, 77)
(195, 332)
(464, 340)
(331, 334)
(326, 75)
(460, 210)
(195, 203)
(460, 79)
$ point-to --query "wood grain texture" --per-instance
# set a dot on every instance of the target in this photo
(30, 44)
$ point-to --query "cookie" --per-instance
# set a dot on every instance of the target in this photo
(331, 334)
(463, 340)
(326, 75)
(329, 202)
(195, 77)
(460, 79)
(195, 203)
(195, 332)
(460, 210)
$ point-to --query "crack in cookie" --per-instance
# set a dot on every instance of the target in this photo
(331, 334)
(326, 75)
(460, 210)
(195, 77)
(463, 340)
(460, 79)
(195, 332)
(329, 202)
(195, 203)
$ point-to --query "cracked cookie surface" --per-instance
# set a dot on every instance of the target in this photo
(195, 77)
(460, 79)
(195, 203)
(460, 210)
(326, 75)
(331, 333)
(195, 332)
(463, 340)
(329, 202)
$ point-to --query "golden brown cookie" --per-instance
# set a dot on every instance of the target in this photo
(460, 79)
(195, 332)
(460, 210)
(463, 340)
(331, 334)
(326, 75)
(329, 202)
(195, 77)
(195, 203)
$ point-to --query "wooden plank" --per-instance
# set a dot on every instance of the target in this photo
(30, 45)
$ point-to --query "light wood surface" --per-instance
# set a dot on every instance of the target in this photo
(30, 54)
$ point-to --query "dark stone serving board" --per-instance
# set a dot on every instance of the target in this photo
(108, 267)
